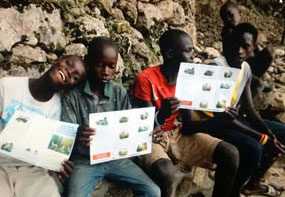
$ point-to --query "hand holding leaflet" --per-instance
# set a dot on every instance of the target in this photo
(35, 139)
(121, 134)
(210, 88)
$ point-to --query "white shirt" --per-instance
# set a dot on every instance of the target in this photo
(15, 94)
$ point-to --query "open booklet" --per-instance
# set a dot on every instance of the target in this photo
(34, 139)
(121, 134)
(209, 87)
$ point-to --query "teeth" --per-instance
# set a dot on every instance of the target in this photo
(62, 75)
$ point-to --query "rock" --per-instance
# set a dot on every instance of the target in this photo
(279, 52)
(76, 49)
(3, 73)
(197, 60)
(17, 71)
(129, 9)
(211, 52)
(51, 57)
(148, 14)
(178, 17)
(282, 78)
(90, 27)
(117, 14)
(106, 5)
(2, 58)
(32, 23)
(25, 55)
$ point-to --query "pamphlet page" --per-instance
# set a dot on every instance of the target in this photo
(37, 140)
(208, 87)
(121, 134)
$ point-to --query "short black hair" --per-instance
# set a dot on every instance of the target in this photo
(246, 28)
(225, 6)
(169, 38)
(95, 47)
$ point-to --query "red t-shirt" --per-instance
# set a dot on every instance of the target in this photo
(151, 86)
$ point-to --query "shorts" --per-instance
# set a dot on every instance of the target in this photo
(185, 150)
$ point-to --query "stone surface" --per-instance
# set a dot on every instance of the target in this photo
(34, 24)
(89, 27)
(76, 49)
(25, 55)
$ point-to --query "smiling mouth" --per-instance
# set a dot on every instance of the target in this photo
(62, 75)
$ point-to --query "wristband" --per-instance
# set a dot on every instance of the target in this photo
(263, 139)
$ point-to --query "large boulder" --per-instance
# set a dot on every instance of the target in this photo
(32, 24)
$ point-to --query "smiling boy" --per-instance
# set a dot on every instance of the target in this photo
(17, 178)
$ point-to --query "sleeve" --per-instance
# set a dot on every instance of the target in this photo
(68, 112)
(142, 88)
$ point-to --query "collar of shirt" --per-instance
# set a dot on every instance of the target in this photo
(108, 91)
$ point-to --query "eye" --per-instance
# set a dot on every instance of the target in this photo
(76, 77)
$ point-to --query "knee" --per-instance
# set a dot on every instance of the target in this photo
(228, 155)
(163, 166)
(153, 191)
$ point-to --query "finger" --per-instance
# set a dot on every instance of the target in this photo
(89, 129)
(69, 163)
(174, 102)
(67, 168)
(84, 140)
(174, 111)
(60, 178)
(63, 173)
(87, 134)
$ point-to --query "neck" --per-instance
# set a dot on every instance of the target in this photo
(97, 87)
(170, 71)
(41, 89)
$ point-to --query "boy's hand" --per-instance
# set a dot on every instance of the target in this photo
(169, 106)
(66, 170)
(276, 147)
(85, 134)
(232, 113)
(229, 114)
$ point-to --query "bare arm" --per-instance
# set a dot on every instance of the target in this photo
(254, 116)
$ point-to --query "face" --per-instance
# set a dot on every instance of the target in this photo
(67, 72)
(105, 68)
(182, 52)
(241, 50)
(231, 16)
(247, 46)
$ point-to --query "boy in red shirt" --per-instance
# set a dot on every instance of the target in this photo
(155, 86)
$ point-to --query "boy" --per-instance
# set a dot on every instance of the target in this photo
(230, 15)
(18, 178)
(155, 86)
(100, 94)
(245, 41)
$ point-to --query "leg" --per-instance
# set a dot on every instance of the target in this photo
(200, 149)
(162, 170)
(167, 175)
(250, 152)
(267, 160)
(226, 156)
(35, 181)
(6, 188)
(84, 178)
(126, 172)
